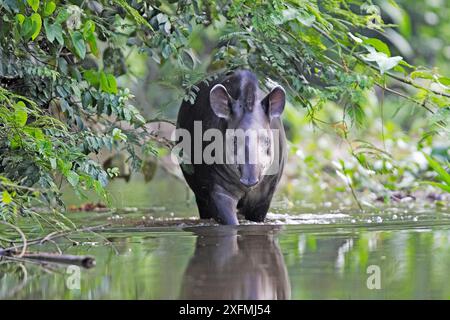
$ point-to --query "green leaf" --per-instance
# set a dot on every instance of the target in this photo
(20, 114)
(78, 44)
(445, 81)
(118, 135)
(92, 41)
(406, 64)
(63, 166)
(53, 31)
(37, 25)
(187, 59)
(438, 185)
(421, 74)
(400, 69)
(108, 83)
(98, 188)
(59, 34)
(112, 83)
(92, 77)
(26, 28)
(88, 28)
(6, 197)
(49, 8)
(15, 142)
(379, 45)
(166, 51)
(34, 4)
(356, 114)
(73, 178)
(20, 18)
(62, 16)
(442, 173)
(104, 86)
(35, 133)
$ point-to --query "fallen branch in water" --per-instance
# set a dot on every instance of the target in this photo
(23, 256)
(83, 261)
(43, 257)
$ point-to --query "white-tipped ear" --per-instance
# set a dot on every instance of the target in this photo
(275, 102)
(219, 100)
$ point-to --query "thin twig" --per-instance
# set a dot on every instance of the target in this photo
(22, 235)
(54, 235)
(405, 97)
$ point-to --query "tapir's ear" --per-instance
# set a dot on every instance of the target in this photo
(275, 102)
(219, 100)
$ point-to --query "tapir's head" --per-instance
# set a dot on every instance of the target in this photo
(248, 114)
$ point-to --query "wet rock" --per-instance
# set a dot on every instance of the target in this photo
(435, 197)
(401, 197)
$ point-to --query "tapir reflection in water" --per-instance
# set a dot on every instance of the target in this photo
(231, 264)
(222, 190)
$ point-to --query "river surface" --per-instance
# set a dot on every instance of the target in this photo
(162, 251)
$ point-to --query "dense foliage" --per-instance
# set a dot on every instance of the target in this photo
(61, 65)
(57, 106)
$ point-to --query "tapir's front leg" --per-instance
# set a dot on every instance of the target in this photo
(224, 205)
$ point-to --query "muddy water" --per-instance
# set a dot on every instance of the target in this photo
(301, 252)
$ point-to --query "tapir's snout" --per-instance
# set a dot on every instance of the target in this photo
(249, 182)
(249, 175)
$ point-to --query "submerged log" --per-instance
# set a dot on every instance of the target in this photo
(83, 261)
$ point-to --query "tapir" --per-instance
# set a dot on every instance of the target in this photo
(223, 189)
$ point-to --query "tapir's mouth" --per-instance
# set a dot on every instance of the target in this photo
(249, 182)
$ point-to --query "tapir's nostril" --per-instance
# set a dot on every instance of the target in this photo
(249, 182)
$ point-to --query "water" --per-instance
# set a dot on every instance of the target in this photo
(164, 252)
(249, 262)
